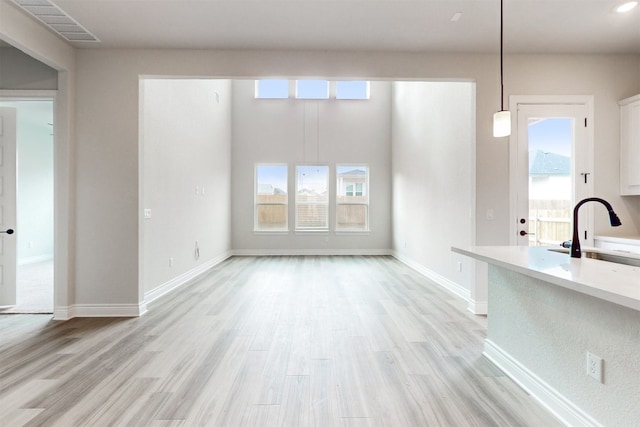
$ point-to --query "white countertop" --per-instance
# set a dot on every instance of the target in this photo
(616, 283)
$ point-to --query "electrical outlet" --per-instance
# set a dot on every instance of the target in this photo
(460, 266)
(594, 367)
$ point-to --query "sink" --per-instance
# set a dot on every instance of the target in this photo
(621, 258)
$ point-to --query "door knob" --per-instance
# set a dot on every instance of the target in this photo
(523, 233)
(8, 231)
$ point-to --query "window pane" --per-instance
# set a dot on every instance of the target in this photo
(352, 89)
(271, 217)
(272, 89)
(349, 190)
(550, 183)
(312, 197)
(352, 217)
(312, 89)
(352, 198)
(271, 198)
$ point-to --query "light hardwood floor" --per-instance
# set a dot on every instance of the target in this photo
(295, 341)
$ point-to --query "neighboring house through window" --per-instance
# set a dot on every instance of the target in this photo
(352, 198)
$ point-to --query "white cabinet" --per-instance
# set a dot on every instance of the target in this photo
(630, 146)
(623, 244)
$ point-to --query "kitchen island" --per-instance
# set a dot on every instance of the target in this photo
(547, 311)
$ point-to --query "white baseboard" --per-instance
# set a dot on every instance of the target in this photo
(565, 410)
(449, 285)
(99, 310)
(182, 279)
(35, 259)
(478, 307)
(312, 252)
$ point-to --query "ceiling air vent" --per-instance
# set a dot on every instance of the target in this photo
(56, 19)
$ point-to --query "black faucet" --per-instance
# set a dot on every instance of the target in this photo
(575, 242)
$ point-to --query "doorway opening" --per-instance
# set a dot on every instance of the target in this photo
(34, 236)
(551, 169)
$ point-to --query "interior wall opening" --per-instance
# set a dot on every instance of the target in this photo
(417, 139)
(34, 236)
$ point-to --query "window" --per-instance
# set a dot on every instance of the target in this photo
(357, 89)
(271, 198)
(272, 89)
(312, 89)
(352, 198)
(312, 198)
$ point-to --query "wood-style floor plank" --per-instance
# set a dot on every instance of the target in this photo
(267, 341)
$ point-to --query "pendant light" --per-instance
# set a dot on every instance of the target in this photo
(501, 119)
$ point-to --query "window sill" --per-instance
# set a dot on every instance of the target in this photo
(352, 232)
(319, 232)
(270, 233)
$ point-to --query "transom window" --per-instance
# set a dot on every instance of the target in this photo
(272, 89)
(354, 89)
(312, 89)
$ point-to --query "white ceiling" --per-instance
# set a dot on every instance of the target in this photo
(531, 26)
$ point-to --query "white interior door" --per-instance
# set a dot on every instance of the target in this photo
(7, 206)
(553, 171)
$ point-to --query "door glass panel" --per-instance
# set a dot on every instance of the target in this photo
(550, 183)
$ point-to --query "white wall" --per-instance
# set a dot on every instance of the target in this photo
(186, 146)
(296, 131)
(433, 174)
(20, 71)
(549, 329)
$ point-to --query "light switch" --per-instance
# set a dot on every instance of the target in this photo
(147, 213)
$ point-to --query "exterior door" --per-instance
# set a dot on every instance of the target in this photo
(7, 206)
(553, 167)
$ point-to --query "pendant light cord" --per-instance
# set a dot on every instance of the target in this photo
(501, 68)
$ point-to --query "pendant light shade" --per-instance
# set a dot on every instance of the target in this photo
(502, 124)
(501, 119)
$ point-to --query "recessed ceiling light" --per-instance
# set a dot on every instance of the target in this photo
(626, 7)
(456, 17)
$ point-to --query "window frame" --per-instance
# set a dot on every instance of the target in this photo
(364, 189)
(256, 203)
